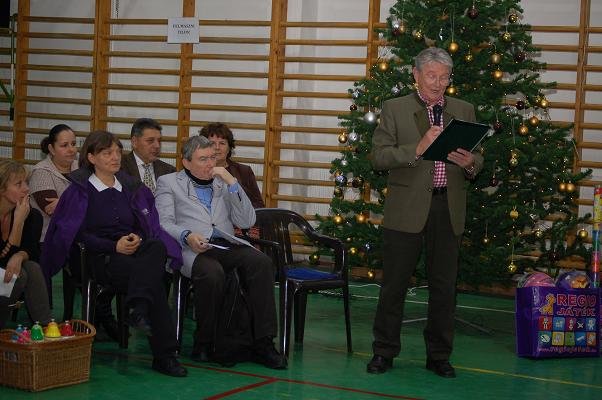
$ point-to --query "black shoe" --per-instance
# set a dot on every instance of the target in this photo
(169, 366)
(201, 352)
(140, 322)
(441, 367)
(379, 364)
(265, 353)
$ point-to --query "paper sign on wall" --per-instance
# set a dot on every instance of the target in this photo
(183, 30)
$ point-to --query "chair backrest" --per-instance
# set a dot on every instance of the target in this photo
(277, 224)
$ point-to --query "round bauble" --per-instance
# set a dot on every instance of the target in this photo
(357, 182)
(513, 162)
(314, 258)
(356, 94)
(496, 58)
(523, 130)
(383, 66)
(506, 37)
(340, 180)
(370, 117)
(370, 274)
(360, 218)
(343, 138)
(582, 234)
(353, 107)
(395, 90)
(512, 267)
(498, 126)
(353, 136)
(451, 90)
(534, 121)
(520, 56)
(352, 251)
(485, 240)
(468, 57)
(473, 13)
(562, 187)
(513, 18)
(538, 233)
(418, 35)
(520, 105)
(337, 219)
(513, 213)
(570, 187)
(453, 47)
(338, 192)
(497, 74)
(544, 103)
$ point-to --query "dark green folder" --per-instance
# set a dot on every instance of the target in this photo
(457, 134)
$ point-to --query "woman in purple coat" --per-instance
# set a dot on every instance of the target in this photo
(114, 215)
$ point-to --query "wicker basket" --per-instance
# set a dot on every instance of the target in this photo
(48, 364)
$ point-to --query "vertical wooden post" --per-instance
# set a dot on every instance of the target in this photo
(581, 78)
(20, 104)
(274, 101)
(100, 65)
(186, 49)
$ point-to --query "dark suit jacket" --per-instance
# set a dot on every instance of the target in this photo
(245, 176)
(403, 122)
(128, 165)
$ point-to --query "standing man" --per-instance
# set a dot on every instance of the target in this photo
(425, 208)
(199, 207)
(143, 161)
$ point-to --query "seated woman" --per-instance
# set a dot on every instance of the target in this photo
(19, 248)
(49, 177)
(114, 215)
(223, 143)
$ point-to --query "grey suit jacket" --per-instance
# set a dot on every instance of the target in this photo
(180, 209)
(403, 122)
(128, 165)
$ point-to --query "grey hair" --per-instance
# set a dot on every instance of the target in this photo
(192, 144)
(433, 54)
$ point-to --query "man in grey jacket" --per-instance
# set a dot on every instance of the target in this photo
(199, 207)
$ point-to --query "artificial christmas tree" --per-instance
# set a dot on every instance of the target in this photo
(522, 202)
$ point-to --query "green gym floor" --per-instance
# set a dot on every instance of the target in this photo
(486, 364)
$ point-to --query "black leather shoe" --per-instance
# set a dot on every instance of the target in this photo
(201, 352)
(265, 353)
(441, 367)
(379, 364)
(169, 366)
(138, 321)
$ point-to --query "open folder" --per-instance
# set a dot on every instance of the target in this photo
(457, 134)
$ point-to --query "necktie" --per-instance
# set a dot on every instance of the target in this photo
(147, 179)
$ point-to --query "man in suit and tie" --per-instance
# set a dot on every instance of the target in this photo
(143, 161)
(199, 206)
(425, 208)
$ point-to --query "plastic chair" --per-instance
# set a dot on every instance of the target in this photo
(297, 279)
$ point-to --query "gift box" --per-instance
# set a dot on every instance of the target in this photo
(557, 322)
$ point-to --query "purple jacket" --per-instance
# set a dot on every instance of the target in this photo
(71, 210)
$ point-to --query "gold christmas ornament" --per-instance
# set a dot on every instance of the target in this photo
(523, 130)
(337, 219)
(497, 74)
(453, 47)
(514, 213)
(534, 121)
(496, 58)
(352, 251)
(544, 103)
(513, 161)
(360, 218)
(451, 90)
(570, 187)
(384, 191)
(562, 187)
(370, 274)
(506, 37)
(314, 258)
(418, 35)
(343, 137)
(582, 234)
(513, 18)
(338, 192)
(383, 66)
(485, 240)
(402, 27)
(512, 267)
(468, 57)
(538, 233)
(348, 239)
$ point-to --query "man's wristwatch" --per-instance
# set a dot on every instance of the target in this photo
(470, 170)
(185, 237)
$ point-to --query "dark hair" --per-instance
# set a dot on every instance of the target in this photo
(52, 135)
(221, 131)
(144, 123)
(96, 142)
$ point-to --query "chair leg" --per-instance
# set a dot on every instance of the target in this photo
(88, 301)
(282, 288)
(300, 303)
(347, 318)
(181, 285)
(124, 332)
(288, 308)
(68, 295)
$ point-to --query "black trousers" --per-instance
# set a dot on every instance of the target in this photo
(141, 276)
(256, 273)
(401, 253)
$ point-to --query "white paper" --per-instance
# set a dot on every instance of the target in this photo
(217, 246)
(6, 288)
(233, 238)
(183, 30)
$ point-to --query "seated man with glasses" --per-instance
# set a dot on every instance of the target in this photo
(199, 206)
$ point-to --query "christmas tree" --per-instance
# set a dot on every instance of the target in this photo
(521, 206)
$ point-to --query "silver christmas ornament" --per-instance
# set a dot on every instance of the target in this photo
(353, 136)
(344, 163)
(370, 117)
(395, 90)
